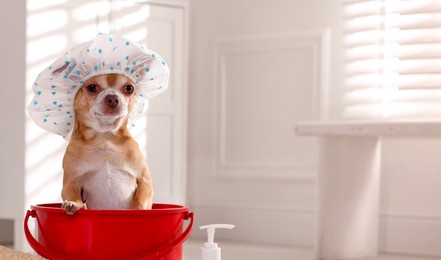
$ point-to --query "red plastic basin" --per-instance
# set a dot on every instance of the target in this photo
(109, 234)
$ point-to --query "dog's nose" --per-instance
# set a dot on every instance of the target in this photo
(112, 100)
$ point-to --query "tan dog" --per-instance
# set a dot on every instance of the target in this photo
(103, 166)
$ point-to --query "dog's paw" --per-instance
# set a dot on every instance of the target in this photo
(71, 207)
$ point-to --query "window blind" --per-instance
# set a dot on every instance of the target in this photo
(392, 58)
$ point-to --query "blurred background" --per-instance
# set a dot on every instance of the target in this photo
(222, 139)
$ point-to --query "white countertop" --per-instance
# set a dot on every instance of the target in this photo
(370, 128)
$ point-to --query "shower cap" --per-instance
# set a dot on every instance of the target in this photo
(56, 86)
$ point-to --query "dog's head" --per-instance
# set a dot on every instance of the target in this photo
(105, 102)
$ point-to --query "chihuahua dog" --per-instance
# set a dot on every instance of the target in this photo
(103, 166)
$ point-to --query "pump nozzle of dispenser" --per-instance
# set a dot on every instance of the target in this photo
(210, 250)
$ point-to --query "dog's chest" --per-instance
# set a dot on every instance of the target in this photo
(107, 180)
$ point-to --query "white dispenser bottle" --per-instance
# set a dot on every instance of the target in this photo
(210, 250)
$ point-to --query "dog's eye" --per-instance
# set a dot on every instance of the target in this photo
(92, 88)
(129, 89)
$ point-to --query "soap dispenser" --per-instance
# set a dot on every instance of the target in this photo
(210, 250)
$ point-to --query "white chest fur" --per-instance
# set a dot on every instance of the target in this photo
(106, 184)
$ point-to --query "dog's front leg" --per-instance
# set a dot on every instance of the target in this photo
(72, 200)
(144, 193)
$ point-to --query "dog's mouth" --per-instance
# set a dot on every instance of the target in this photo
(110, 115)
(108, 121)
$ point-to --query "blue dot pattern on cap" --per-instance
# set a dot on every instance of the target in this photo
(56, 86)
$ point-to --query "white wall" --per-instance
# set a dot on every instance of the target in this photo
(256, 68)
(410, 196)
(12, 72)
(254, 200)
